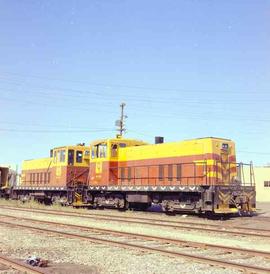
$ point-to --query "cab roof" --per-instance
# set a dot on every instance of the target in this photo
(118, 139)
(211, 137)
(70, 146)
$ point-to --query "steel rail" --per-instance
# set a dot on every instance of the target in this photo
(197, 258)
(267, 218)
(116, 217)
(147, 237)
(20, 266)
(201, 227)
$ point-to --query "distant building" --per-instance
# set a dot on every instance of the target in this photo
(262, 179)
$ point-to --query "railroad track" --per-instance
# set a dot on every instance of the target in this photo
(265, 218)
(19, 266)
(216, 228)
(170, 247)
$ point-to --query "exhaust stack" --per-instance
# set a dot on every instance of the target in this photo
(159, 140)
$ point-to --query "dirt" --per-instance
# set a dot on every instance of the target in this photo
(3, 268)
(7, 270)
(73, 256)
(64, 268)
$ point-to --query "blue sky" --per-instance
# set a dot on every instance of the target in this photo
(185, 69)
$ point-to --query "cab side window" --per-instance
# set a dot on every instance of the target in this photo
(87, 154)
(62, 155)
(58, 156)
(123, 145)
(94, 152)
(99, 151)
(70, 157)
(102, 151)
(79, 156)
(114, 150)
(54, 156)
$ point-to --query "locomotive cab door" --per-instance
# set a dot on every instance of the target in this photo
(98, 170)
(113, 165)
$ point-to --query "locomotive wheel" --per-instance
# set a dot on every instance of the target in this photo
(139, 206)
(125, 207)
(209, 215)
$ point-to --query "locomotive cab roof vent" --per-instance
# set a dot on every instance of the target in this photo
(81, 144)
(159, 140)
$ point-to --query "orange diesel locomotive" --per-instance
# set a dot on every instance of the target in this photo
(199, 175)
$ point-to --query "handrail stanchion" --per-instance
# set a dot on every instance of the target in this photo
(229, 173)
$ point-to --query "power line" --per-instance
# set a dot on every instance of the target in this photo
(41, 125)
(183, 115)
(254, 152)
(123, 86)
(101, 94)
(53, 131)
(136, 99)
(115, 98)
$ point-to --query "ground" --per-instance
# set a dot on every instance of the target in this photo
(74, 256)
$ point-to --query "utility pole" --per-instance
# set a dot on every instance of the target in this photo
(122, 129)
(121, 123)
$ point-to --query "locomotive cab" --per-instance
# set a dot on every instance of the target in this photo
(71, 161)
(105, 157)
(64, 167)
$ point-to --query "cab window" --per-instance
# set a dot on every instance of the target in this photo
(79, 156)
(62, 155)
(58, 156)
(102, 151)
(122, 145)
(70, 157)
(94, 152)
(114, 150)
(54, 156)
(99, 151)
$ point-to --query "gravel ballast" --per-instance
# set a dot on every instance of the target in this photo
(69, 255)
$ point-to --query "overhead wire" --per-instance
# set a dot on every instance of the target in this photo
(109, 85)
(254, 152)
(49, 93)
(137, 98)
(104, 97)
(103, 130)
(54, 131)
(189, 114)
(183, 115)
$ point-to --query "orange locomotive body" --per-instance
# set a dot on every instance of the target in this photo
(204, 161)
(178, 175)
(51, 177)
(199, 175)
